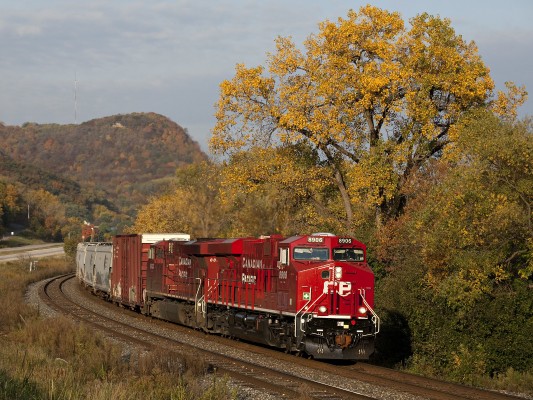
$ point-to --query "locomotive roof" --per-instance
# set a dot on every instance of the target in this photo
(305, 239)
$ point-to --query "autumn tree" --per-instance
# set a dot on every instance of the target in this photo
(47, 214)
(191, 206)
(374, 99)
(269, 190)
(460, 260)
(9, 203)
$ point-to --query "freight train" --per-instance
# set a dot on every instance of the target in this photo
(312, 295)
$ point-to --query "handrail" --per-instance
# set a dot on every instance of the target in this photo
(300, 310)
(306, 306)
(375, 318)
(196, 300)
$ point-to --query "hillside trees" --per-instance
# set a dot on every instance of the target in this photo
(460, 258)
(9, 203)
(117, 157)
(46, 214)
(373, 99)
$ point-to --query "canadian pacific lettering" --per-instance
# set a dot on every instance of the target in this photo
(252, 263)
(249, 279)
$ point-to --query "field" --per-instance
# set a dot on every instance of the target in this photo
(55, 358)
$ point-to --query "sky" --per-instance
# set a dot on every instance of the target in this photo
(70, 61)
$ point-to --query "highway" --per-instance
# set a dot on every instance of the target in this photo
(31, 251)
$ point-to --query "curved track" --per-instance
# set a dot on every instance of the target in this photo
(264, 369)
(267, 379)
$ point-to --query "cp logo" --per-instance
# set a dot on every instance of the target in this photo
(342, 288)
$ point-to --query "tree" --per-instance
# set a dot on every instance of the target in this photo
(162, 214)
(278, 190)
(47, 214)
(460, 260)
(9, 203)
(193, 206)
(375, 101)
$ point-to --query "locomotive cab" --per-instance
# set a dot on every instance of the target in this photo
(334, 289)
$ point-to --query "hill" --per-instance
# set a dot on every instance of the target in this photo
(122, 155)
(101, 170)
(29, 177)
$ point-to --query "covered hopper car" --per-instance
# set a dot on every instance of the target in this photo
(311, 295)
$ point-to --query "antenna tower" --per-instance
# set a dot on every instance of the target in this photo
(75, 98)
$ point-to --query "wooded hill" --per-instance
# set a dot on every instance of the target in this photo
(117, 162)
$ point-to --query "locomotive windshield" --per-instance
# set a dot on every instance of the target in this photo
(348, 255)
(311, 253)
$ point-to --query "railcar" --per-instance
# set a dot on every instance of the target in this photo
(311, 294)
(116, 270)
(93, 265)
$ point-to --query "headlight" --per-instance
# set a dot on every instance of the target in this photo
(362, 310)
(322, 309)
(338, 272)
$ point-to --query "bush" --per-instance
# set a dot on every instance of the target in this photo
(57, 359)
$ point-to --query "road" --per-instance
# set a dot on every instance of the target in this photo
(31, 251)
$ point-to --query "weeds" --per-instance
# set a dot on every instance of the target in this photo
(58, 359)
(512, 381)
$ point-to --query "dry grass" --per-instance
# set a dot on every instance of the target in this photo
(57, 359)
(512, 382)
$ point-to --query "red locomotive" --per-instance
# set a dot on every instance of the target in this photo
(307, 294)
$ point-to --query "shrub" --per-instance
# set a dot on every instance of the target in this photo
(58, 359)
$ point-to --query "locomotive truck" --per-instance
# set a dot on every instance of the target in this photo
(311, 295)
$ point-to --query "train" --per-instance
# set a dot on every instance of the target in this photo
(311, 295)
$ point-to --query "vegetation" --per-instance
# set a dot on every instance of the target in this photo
(54, 358)
(458, 262)
(374, 100)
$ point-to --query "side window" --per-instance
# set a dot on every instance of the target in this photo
(284, 256)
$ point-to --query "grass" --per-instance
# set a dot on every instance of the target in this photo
(511, 382)
(17, 241)
(518, 383)
(55, 358)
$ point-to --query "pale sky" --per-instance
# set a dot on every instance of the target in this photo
(169, 57)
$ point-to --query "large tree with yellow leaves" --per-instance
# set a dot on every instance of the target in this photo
(374, 98)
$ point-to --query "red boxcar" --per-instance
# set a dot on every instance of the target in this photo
(130, 263)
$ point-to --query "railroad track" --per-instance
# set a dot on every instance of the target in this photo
(440, 390)
(266, 370)
(242, 372)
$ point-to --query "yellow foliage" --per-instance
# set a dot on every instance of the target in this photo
(375, 99)
(162, 215)
(193, 206)
(506, 104)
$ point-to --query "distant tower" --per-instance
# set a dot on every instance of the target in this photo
(75, 98)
